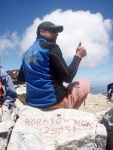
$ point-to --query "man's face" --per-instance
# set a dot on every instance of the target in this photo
(49, 34)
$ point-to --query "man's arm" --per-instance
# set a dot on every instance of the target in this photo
(64, 72)
(10, 94)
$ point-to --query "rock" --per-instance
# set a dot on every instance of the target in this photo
(6, 126)
(107, 120)
(57, 129)
(61, 128)
(18, 105)
(0, 115)
(21, 93)
(96, 104)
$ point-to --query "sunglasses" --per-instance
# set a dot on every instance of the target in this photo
(53, 30)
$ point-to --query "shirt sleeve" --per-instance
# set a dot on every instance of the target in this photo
(10, 94)
(64, 72)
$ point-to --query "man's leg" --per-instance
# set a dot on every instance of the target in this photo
(78, 92)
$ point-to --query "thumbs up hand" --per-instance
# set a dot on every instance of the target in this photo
(81, 51)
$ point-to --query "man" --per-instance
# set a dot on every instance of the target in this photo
(45, 70)
(109, 90)
(8, 94)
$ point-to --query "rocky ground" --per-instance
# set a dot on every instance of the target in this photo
(97, 104)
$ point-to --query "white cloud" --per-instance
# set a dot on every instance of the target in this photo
(8, 41)
(29, 36)
(79, 26)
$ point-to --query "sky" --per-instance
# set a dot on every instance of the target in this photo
(87, 21)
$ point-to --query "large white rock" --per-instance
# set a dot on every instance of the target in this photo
(58, 129)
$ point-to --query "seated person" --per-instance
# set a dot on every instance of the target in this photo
(45, 70)
(109, 90)
(8, 94)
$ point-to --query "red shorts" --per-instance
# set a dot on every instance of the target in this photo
(77, 93)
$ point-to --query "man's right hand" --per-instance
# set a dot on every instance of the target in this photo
(81, 51)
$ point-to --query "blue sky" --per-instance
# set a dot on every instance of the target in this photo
(88, 21)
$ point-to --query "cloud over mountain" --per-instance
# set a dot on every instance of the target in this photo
(79, 26)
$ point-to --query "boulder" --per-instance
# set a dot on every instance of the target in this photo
(6, 126)
(107, 120)
(57, 129)
(21, 93)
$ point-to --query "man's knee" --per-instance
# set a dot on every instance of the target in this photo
(86, 85)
